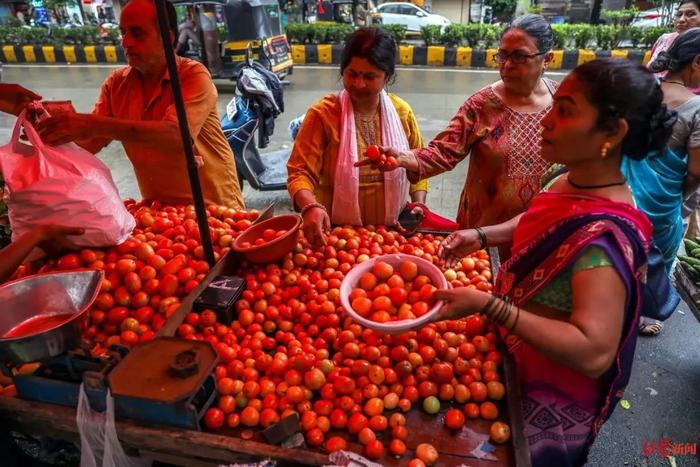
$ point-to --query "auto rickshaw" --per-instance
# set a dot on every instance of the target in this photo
(226, 28)
(335, 11)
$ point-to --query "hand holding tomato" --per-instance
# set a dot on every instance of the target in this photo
(457, 245)
(386, 159)
(460, 302)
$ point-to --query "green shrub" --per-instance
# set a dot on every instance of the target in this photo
(472, 34)
(652, 34)
(561, 35)
(583, 35)
(636, 36)
(397, 30)
(490, 35)
(431, 34)
(453, 35)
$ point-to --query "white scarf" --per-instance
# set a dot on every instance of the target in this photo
(346, 207)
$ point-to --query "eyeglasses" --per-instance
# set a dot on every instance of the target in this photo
(516, 57)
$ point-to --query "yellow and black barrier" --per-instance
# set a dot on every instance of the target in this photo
(329, 54)
(62, 54)
(463, 57)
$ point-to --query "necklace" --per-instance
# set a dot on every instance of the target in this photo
(366, 127)
(674, 82)
(594, 187)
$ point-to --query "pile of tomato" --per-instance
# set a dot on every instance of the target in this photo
(147, 276)
(292, 347)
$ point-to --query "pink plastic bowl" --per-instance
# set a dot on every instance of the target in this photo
(352, 280)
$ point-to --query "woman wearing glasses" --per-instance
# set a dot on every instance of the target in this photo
(500, 126)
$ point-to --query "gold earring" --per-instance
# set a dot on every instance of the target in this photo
(604, 150)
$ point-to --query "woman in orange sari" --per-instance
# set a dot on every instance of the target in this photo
(568, 299)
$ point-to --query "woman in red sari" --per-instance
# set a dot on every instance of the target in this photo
(569, 296)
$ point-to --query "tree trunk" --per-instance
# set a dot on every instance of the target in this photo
(595, 11)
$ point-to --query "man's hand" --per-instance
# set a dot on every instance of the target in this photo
(54, 238)
(14, 98)
(64, 128)
(316, 223)
(458, 245)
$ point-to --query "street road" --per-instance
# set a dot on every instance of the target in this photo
(664, 392)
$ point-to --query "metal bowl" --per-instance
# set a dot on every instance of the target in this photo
(50, 294)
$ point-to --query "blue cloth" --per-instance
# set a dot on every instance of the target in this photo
(657, 185)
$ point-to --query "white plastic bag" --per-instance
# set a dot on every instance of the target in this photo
(99, 444)
(63, 185)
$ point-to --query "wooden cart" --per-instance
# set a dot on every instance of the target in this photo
(186, 447)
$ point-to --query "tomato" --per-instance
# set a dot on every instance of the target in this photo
(374, 449)
(478, 391)
(125, 266)
(431, 405)
(366, 435)
(233, 420)
(227, 404)
(373, 152)
(427, 453)
(499, 432)
(471, 410)
(250, 416)
(70, 261)
(382, 270)
(408, 270)
(117, 315)
(441, 372)
(397, 447)
(488, 410)
(356, 423)
(454, 419)
(368, 281)
(415, 462)
(314, 437)
(336, 443)
(214, 418)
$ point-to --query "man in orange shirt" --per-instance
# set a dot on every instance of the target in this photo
(136, 107)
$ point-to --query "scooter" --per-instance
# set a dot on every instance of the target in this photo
(264, 172)
(244, 116)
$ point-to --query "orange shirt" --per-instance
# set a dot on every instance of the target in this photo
(163, 175)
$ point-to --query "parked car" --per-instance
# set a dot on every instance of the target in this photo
(409, 15)
(654, 17)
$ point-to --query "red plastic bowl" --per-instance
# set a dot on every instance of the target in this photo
(274, 249)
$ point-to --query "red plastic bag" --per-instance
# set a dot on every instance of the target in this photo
(63, 185)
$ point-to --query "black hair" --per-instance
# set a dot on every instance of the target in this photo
(681, 53)
(695, 2)
(621, 89)
(376, 45)
(536, 27)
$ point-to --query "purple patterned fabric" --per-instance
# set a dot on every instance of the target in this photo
(563, 410)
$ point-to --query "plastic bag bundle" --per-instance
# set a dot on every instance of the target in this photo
(63, 185)
(99, 444)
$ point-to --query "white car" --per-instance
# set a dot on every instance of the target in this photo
(652, 18)
(409, 15)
